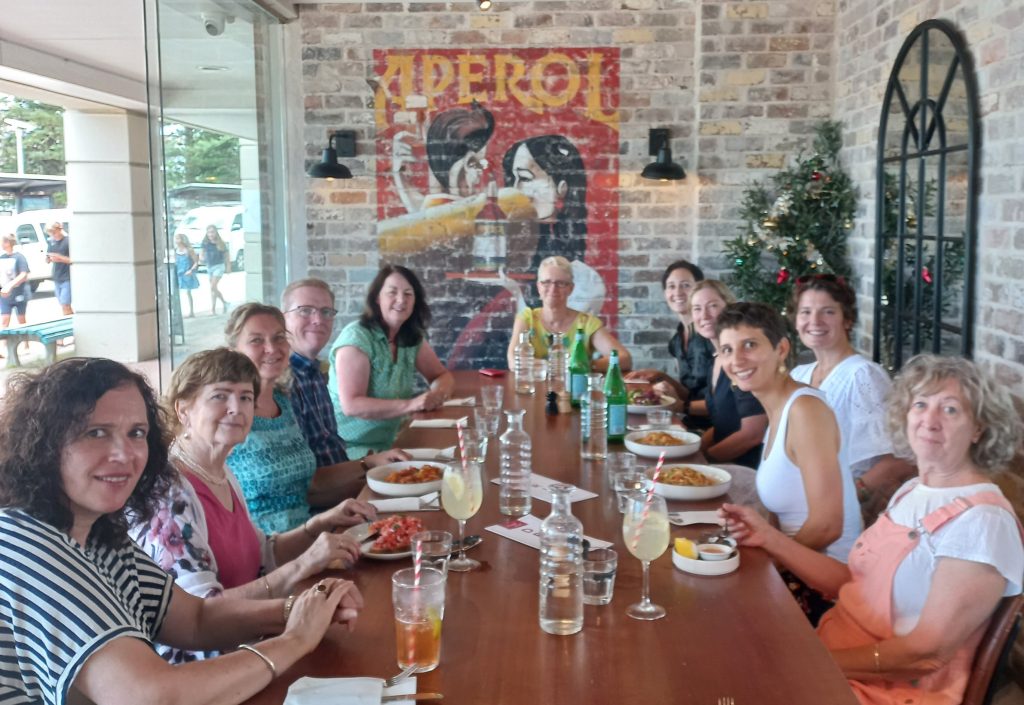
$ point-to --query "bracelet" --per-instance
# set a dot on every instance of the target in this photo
(305, 528)
(878, 664)
(288, 602)
(266, 660)
(266, 584)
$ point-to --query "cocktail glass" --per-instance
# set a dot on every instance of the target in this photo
(645, 531)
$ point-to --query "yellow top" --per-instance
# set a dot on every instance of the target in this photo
(587, 323)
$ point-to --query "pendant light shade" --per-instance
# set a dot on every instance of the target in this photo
(329, 168)
(662, 168)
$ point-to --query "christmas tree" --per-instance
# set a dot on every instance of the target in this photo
(796, 224)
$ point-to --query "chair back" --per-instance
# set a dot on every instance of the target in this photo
(993, 650)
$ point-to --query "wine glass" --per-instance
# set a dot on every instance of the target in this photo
(645, 531)
(462, 493)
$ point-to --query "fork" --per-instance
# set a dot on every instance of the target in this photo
(726, 700)
(396, 679)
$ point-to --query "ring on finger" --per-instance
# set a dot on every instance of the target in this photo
(320, 589)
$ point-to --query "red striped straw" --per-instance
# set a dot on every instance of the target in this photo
(417, 564)
(650, 498)
(462, 447)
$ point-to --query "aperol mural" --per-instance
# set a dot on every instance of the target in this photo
(539, 129)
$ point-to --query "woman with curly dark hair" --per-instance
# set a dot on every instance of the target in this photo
(380, 355)
(82, 445)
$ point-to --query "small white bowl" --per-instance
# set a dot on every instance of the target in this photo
(699, 567)
(375, 480)
(714, 551)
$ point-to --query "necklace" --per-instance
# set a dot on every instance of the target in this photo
(193, 466)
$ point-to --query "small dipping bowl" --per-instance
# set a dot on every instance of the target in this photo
(714, 551)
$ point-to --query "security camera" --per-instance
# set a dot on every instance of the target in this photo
(214, 22)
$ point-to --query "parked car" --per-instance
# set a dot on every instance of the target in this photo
(30, 229)
(227, 219)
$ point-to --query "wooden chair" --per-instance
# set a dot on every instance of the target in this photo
(993, 651)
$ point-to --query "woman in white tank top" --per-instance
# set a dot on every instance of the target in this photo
(801, 479)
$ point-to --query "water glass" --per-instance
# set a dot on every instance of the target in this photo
(487, 421)
(599, 566)
(419, 611)
(659, 419)
(618, 461)
(474, 442)
(627, 482)
(434, 548)
(540, 371)
(491, 396)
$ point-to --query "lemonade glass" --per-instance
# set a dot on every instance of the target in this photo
(419, 610)
(462, 494)
(645, 531)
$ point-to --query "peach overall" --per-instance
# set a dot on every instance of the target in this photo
(863, 613)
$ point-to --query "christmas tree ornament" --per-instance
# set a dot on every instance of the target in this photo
(911, 221)
(769, 223)
(815, 176)
(782, 277)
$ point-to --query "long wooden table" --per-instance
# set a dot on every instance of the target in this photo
(740, 635)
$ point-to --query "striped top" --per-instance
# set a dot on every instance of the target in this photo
(60, 603)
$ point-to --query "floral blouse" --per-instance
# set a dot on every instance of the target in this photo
(177, 538)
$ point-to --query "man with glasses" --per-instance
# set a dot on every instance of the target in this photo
(309, 312)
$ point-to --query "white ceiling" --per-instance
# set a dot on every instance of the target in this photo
(96, 50)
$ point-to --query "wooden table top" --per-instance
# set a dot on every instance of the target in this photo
(739, 635)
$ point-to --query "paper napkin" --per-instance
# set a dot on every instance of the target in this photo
(344, 691)
(439, 423)
(465, 401)
(539, 489)
(408, 504)
(526, 530)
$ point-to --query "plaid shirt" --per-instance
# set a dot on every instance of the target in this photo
(315, 413)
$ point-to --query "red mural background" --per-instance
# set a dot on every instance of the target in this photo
(448, 122)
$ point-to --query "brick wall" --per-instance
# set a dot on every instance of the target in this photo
(738, 83)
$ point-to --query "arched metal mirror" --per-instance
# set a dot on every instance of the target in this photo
(926, 221)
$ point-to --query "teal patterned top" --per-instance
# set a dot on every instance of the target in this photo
(389, 379)
(274, 466)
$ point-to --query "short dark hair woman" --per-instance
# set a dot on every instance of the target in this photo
(81, 444)
(380, 355)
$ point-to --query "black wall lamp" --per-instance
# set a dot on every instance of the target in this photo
(340, 144)
(662, 168)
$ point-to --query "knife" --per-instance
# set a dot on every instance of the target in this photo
(412, 696)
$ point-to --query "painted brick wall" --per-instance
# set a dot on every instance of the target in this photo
(739, 84)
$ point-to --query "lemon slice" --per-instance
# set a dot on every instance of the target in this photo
(456, 485)
(686, 548)
(434, 617)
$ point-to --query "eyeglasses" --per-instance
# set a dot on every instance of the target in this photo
(558, 283)
(308, 311)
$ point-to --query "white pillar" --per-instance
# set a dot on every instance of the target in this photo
(249, 168)
(113, 282)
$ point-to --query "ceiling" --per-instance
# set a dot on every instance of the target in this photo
(96, 51)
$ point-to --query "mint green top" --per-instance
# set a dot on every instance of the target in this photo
(389, 379)
(274, 467)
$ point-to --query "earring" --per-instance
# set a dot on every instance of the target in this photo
(188, 431)
(783, 370)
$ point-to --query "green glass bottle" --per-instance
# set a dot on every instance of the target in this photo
(579, 368)
(615, 400)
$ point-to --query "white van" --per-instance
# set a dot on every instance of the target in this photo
(30, 229)
(227, 219)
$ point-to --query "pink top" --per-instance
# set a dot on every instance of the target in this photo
(232, 538)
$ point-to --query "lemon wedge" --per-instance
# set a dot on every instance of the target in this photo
(456, 485)
(434, 618)
(686, 548)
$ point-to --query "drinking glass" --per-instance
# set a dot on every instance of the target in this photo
(617, 461)
(645, 532)
(434, 549)
(627, 482)
(462, 493)
(419, 611)
(487, 421)
(474, 445)
(659, 419)
(491, 396)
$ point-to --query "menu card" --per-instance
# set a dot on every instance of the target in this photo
(526, 530)
(539, 489)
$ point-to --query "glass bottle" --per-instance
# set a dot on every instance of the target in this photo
(490, 239)
(523, 358)
(561, 566)
(615, 400)
(593, 421)
(557, 364)
(579, 368)
(516, 462)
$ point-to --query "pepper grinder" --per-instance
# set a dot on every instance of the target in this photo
(551, 409)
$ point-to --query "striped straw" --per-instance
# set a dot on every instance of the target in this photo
(650, 498)
(417, 563)
(462, 448)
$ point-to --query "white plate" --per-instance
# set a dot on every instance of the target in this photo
(699, 567)
(691, 444)
(666, 402)
(431, 453)
(687, 492)
(360, 532)
(375, 479)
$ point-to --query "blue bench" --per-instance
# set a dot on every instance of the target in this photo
(47, 333)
